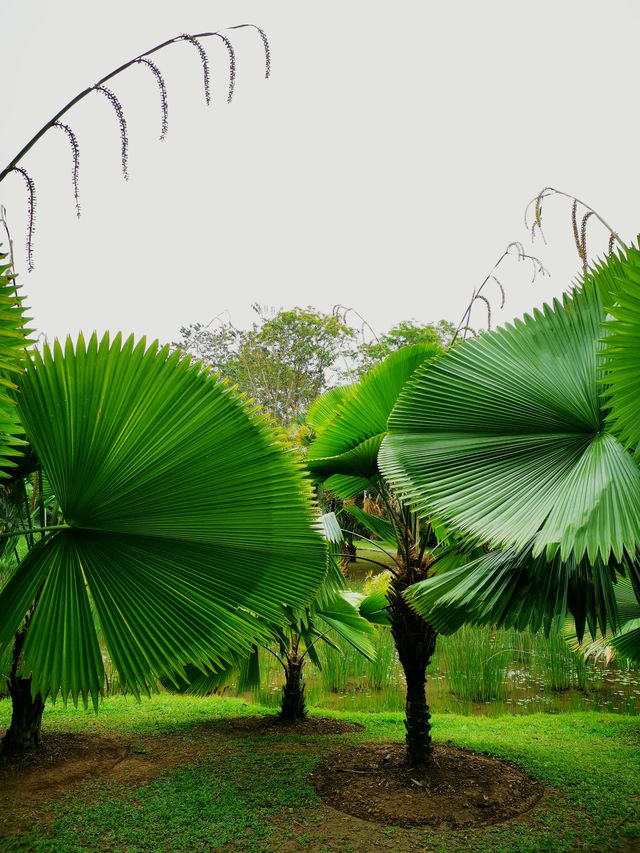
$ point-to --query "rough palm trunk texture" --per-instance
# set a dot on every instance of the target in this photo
(293, 707)
(415, 642)
(349, 554)
(26, 718)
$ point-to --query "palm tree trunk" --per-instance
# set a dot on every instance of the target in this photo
(293, 706)
(26, 717)
(349, 555)
(415, 642)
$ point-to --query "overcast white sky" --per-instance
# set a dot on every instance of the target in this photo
(384, 166)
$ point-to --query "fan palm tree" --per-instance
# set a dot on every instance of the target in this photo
(344, 457)
(508, 439)
(185, 525)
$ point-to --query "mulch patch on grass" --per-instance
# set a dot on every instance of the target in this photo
(461, 789)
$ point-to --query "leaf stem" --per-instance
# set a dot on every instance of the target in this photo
(33, 530)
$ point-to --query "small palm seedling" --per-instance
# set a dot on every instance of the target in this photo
(334, 611)
(101, 88)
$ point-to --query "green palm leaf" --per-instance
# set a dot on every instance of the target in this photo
(380, 527)
(622, 349)
(346, 448)
(504, 437)
(514, 589)
(188, 521)
(323, 408)
(601, 646)
(14, 338)
(627, 642)
(340, 614)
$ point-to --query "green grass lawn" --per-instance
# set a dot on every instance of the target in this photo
(233, 792)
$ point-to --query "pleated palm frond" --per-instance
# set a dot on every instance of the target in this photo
(332, 610)
(602, 645)
(324, 407)
(332, 607)
(348, 622)
(244, 671)
(344, 453)
(627, 641)
(188, 522)
(14, 339)
(514, 589)
(504, 438)
(375, 524)
(373, 607)
(622, 350)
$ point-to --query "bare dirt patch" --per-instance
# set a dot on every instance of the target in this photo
(462, 789)
(68, 759)
(62, 760)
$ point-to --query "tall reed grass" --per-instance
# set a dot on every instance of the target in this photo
(509, 670)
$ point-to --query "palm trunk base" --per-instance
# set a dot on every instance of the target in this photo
(23, 733)
(293, 705)
(415, 642)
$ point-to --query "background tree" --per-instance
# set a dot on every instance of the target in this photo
(284, 361)
(404, 334)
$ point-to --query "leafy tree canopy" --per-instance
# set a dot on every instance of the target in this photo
(284, 361)
(407, 333)
(289, 357)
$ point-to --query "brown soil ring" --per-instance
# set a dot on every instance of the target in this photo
(462, 789)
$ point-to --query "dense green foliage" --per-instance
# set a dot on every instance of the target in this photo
(344, 455)
(622, 346)
(506, 438)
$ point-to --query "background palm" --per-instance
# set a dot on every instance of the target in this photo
(350, 429)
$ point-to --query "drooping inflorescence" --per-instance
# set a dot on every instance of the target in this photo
(164, 102)
(232, 66)
(75, 153)
(204, 59)
(579, 233)
(31, 212)
(477, 295)
(124, 139)
(267, 53)
(142, 59)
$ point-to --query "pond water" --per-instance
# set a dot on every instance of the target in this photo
(460, 680)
